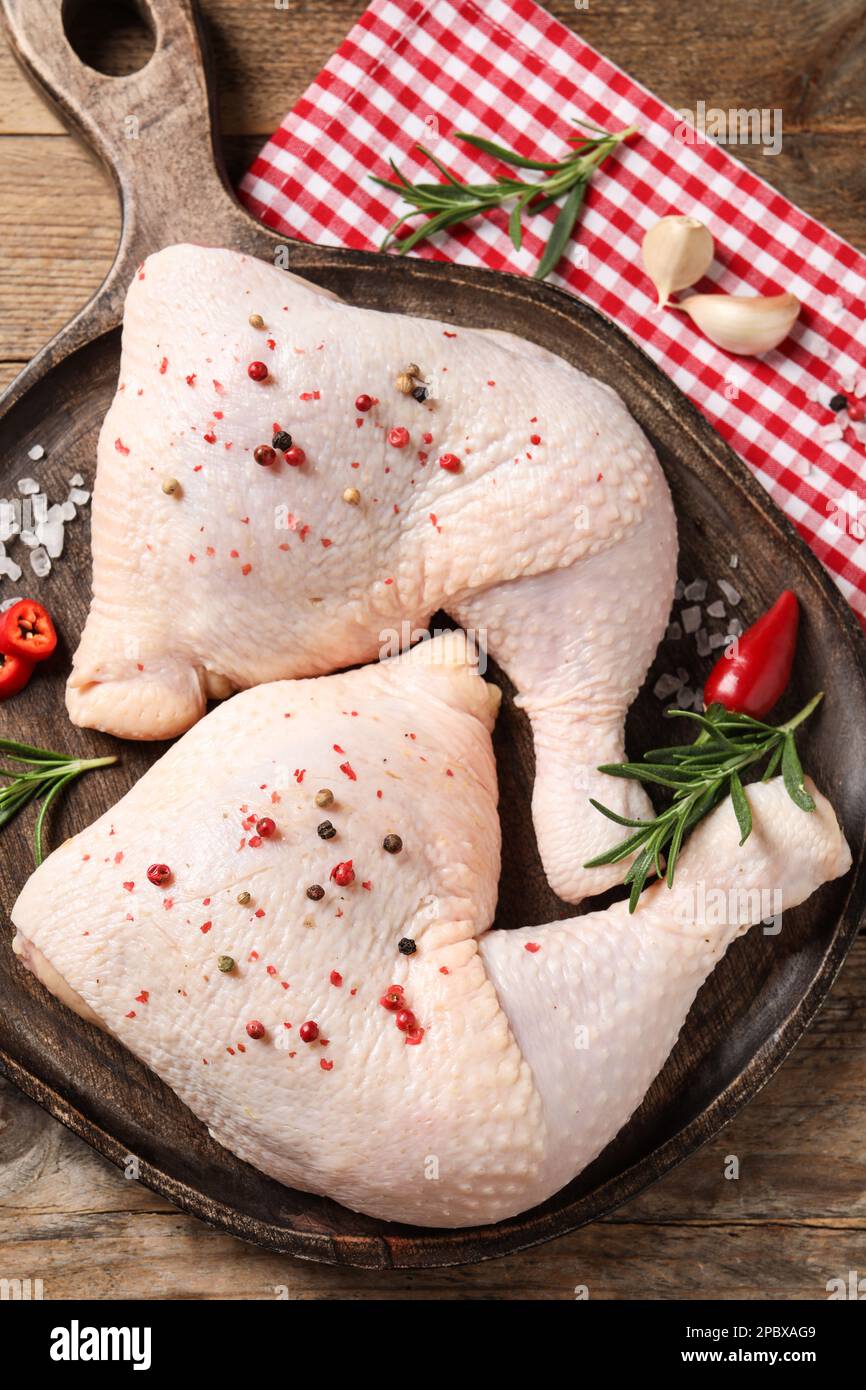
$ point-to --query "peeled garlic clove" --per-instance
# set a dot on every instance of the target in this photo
(744, 324)
(677, 251)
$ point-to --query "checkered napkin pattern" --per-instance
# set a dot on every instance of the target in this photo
(420, 70)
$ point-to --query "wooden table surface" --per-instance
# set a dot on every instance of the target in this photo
(796, 1215)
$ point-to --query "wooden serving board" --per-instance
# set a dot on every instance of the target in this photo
(765, 992)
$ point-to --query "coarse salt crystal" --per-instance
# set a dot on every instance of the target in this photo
(733, 562)
(679, 589)
(36, 453)
(716, 609)
(79, 496)
(10, 569)
(691, 618)
(685, 698)
(702, 642)
(666, 685)
(674, 632)
(828, 434)
(50, 534)
(8, 602)
(27, 486)
(718, 639)
(67, 511)
(76, 481)
(730, 592)
(28, 538)
(735, 627)
(696, 592)
(40, 562)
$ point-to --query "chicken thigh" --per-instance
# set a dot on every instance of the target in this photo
(308, 963)
(517, 493)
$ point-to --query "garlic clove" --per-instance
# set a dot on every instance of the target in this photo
(744, 324)
(677, 251)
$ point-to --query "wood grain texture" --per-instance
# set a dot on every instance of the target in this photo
(805, 59)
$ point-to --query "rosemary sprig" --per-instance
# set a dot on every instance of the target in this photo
(42, 774)
(452, 202)
(700, 775)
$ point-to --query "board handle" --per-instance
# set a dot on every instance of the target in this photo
(152, 128)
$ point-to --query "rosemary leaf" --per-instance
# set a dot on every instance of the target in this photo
(507, 156)
(792, 775)
(742, 809)
(49, 796)
(562, 230)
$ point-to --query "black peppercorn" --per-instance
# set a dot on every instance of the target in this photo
(838, 403)
(392, 843)
(326, 830)
(420, 394)
(282, 441)
(406, 946)
(316, 892)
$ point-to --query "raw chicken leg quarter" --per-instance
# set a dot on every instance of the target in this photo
(519, 495)
(458, 1080)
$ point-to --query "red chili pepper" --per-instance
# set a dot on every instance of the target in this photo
(754, 675)
(26, 630)
(15, 672)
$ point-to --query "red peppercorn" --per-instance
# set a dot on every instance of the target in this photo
(265, 827)
(295, 457)
(451, 463)
(264, 455)
(406, 1020)
(856, 410)
(308, 1032)
(363, 403)
(159, 874)
(414, 1036)
(535, 439)
(343, 874)
(256, 1029)
(392, 999)
(398, 437)
(258, 371)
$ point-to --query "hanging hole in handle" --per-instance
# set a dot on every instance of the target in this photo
(114, 37)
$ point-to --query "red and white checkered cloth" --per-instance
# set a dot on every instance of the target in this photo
(419, 70)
